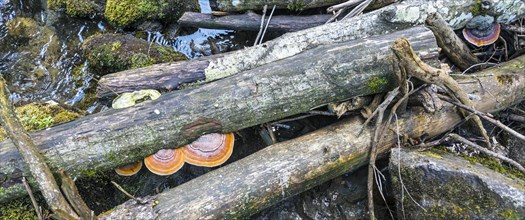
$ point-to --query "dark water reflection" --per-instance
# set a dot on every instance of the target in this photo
(48, 65)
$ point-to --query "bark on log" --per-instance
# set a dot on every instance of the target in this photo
(244, 5)
(247, 186)
(388, 19)
(325, 74)
(252, 22)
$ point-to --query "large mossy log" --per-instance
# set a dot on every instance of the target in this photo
(388, 19)
(252, 22)
(249, 185)
(321, 75)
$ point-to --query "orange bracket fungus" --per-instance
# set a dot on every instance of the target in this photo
(209, 150)
(129, 169)
(165, 162)
(482, 30)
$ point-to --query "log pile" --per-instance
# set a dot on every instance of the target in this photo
(280, 78)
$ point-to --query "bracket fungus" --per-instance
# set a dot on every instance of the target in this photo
(129, 169)
(129, 99)
(209, 150)
(165, 162)
(482, 30)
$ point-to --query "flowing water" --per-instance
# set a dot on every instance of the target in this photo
(46, 62)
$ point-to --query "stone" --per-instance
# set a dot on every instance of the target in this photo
(450, 187)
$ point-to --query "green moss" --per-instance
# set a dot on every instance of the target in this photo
(126, 13)
(139, 60)
(76, 8)
(39, 116)
(17, 209)
(295, 6)
(431, 154)
(110, 53)
(509, 215)
(475, 8)
(376, 84)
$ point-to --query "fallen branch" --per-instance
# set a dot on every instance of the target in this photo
(488, 118)
(452, 45)
(251, 21)
(487, 152)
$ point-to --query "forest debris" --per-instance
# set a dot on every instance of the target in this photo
(417, 68)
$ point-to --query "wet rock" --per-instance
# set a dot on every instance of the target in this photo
(449, 187)
(344, 197)
(516, 149)
(108, 53)
(128, 13)
(78, 8)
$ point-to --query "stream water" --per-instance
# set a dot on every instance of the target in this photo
(46, 63)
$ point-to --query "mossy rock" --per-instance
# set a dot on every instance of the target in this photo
(77, 8)
(109, 53)
(445, 186)
(37, 116)
(127, 13)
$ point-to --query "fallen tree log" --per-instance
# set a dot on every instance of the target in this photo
(262, 179)
(244, 5)
(252, 22)
(388, 19)
(324, 74)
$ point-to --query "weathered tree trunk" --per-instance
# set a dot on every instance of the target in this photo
(252, 22)
(249, 185)
(287, 87)
(388, 19)
(244, 5)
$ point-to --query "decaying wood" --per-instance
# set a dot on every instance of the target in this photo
(244, 5)
(32, 157)
(451, 44)
(412, 65)
(288, 168)
(324, 74)
(251, 21)
(394, 17)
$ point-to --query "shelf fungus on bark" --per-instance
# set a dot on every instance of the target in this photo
(129, 169)
(165, 162)
(129, 99)
(482, 30)
(209, 150)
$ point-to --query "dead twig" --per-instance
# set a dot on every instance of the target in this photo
(267, 23)
(343, 5)
(486, 151)
(488, 118)
(37, 208)
(262, 25)
(122, 190)
(358, 9)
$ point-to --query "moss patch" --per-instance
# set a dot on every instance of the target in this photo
(39, 116)
(109, 53)
(376, 84)
(126, 13)
(18, 209)
(75, 8)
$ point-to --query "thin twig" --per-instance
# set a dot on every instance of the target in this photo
(488, 118)
(343, 5)
(122, 190)
(267, 23)
(262, 25)
(358, 9)
(37, 208)
(487, 151)
(392, 94)
(336, 15)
